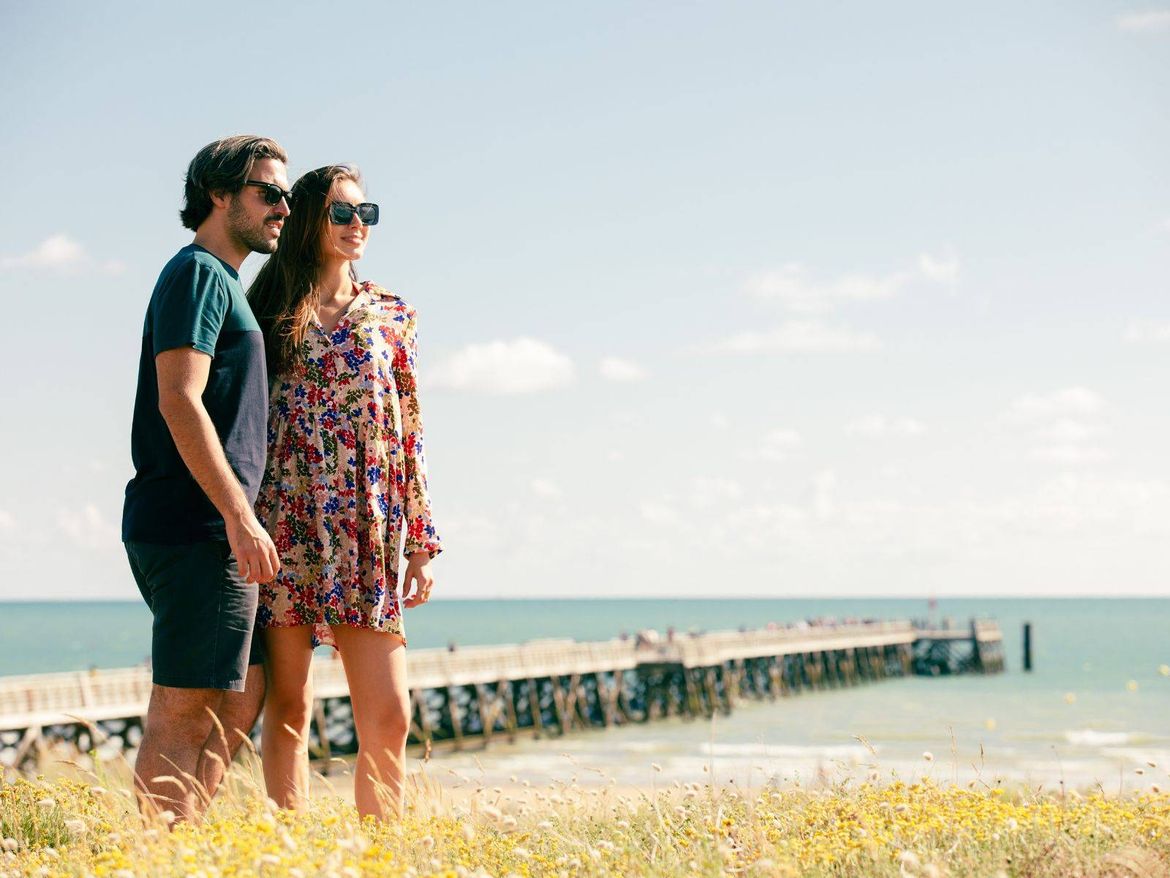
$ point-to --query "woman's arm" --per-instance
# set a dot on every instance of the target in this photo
(420, 528)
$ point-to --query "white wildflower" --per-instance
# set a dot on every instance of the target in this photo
(909, 860)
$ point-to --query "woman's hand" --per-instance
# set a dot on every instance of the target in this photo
(418, 581)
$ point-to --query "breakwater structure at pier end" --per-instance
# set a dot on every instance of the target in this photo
(478, 694)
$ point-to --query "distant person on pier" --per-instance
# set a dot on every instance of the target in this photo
(197, 440)
(345, 482)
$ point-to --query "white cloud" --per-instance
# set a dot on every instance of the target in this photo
(616, 369)
(1145, 21)
(1071, 454)
(1070, 401)
(1142, 332)
(58, 251)
(1063, 425)
(1084, 503)
(1070, 430)
(824, 495)
(799, 336)
(547, 489)
(778, 445)
(61, 253)
(792, 287)
(713, 491)
(87, 527)
(880, 426)
(942, 269)
(658, 512)
(523, 365)
(7, 520)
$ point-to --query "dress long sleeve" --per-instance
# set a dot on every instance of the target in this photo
(419, 524)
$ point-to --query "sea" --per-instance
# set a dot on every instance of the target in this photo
(1093, 712)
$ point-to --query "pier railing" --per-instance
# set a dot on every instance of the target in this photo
(545, 686)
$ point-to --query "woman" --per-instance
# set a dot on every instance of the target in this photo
(345, 476)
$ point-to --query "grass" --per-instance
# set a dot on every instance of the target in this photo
(81, 826)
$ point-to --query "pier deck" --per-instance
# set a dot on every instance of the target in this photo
(545, 686)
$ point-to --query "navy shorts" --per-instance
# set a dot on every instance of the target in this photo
(204, 614)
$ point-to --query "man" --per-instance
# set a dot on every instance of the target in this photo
(198, 442)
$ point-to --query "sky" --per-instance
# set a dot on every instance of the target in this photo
(716, 299)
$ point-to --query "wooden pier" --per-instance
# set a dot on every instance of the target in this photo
(546, 687)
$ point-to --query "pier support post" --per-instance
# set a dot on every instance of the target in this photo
(534, 708)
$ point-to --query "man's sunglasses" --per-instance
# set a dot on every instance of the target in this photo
(272, 192)
(341, 213)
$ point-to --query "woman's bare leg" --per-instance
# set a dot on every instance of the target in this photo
(375, 666)
(288, 705)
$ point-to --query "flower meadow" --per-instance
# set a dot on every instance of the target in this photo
(79, 827)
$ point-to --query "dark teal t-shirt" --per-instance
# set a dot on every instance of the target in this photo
(197, 303)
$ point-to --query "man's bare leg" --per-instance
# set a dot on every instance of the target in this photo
(177, 726)
(236, 713)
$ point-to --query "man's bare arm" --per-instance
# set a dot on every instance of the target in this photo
(182, 378)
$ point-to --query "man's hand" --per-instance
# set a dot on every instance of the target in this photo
(418, 581)
(255, 552)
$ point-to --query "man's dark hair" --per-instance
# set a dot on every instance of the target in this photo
(222, 166)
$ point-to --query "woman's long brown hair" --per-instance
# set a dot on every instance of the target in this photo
(284, 296)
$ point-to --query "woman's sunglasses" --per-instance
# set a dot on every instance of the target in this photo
(272, 192)
(341, 213)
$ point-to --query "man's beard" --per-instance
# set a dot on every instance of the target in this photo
(254, 237)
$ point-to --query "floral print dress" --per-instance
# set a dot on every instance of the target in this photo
(345, 474)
